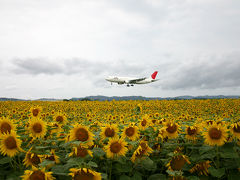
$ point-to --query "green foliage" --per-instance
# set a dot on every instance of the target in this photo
(157, 177)
(225, 160)
(217, 172)
(5, 160)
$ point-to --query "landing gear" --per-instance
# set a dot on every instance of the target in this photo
(128, 85)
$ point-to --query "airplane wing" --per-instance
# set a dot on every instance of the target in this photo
(136, 80)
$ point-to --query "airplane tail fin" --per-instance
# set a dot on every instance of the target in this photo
(154, 75)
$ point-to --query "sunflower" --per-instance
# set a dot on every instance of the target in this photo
(142, 151)
(81, 133)
(144, 122)
(131, 132)
(162, 133)
(207, 123)
(37, 128)
(84, 174)
(55, 128)
(109, 117)
(156, 115)
(156, 147)
(10, 144)
(80, 151)
(201, 168)
(215, 134)
(121, 117)
(171, 129)
(6, 125)
(235, 129)
(192, 132)
(35, 111)
(139, 108)
(60, 118)
(109, 131)
(37, 174)
(88, 115)
(52, 157)
(114, 118)
(154, 121)
(116, 147)
(32, 159)
(177, 162)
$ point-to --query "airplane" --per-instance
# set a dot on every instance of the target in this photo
(131, 81)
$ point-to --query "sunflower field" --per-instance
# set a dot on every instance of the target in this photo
(120, 140)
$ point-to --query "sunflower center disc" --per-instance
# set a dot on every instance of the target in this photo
(5, 128)
(84, 176)
(115, 147)
(59, 119)
(177, 163)
(143, 145)
(130, 131)
(81, 134)
(37, 127)
(35, 112)
(171, 129)
(109, 132)
(144, 122)
(37, 175)
(191, 131)
(81, 152)
(10, 143)
(34, 159)
(214, 133)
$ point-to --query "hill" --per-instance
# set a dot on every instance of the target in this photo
(119, 98)
(106, 98)
(11, 99)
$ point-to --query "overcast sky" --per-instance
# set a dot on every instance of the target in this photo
(64, 49)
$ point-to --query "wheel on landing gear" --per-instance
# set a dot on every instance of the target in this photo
(128, 85)
(132, 85)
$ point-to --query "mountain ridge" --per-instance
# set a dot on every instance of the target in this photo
(110, 98)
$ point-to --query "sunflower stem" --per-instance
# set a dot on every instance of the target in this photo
(218, 157)
(12, 163)
(19, 162)
(110, 171)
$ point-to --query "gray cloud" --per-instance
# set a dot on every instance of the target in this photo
(36, 66)
(82, 68)
(207, 73)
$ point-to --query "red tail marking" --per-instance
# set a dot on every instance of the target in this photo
(154, 74)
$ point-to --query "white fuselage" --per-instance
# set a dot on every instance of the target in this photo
(148, 80)
(127, 80)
